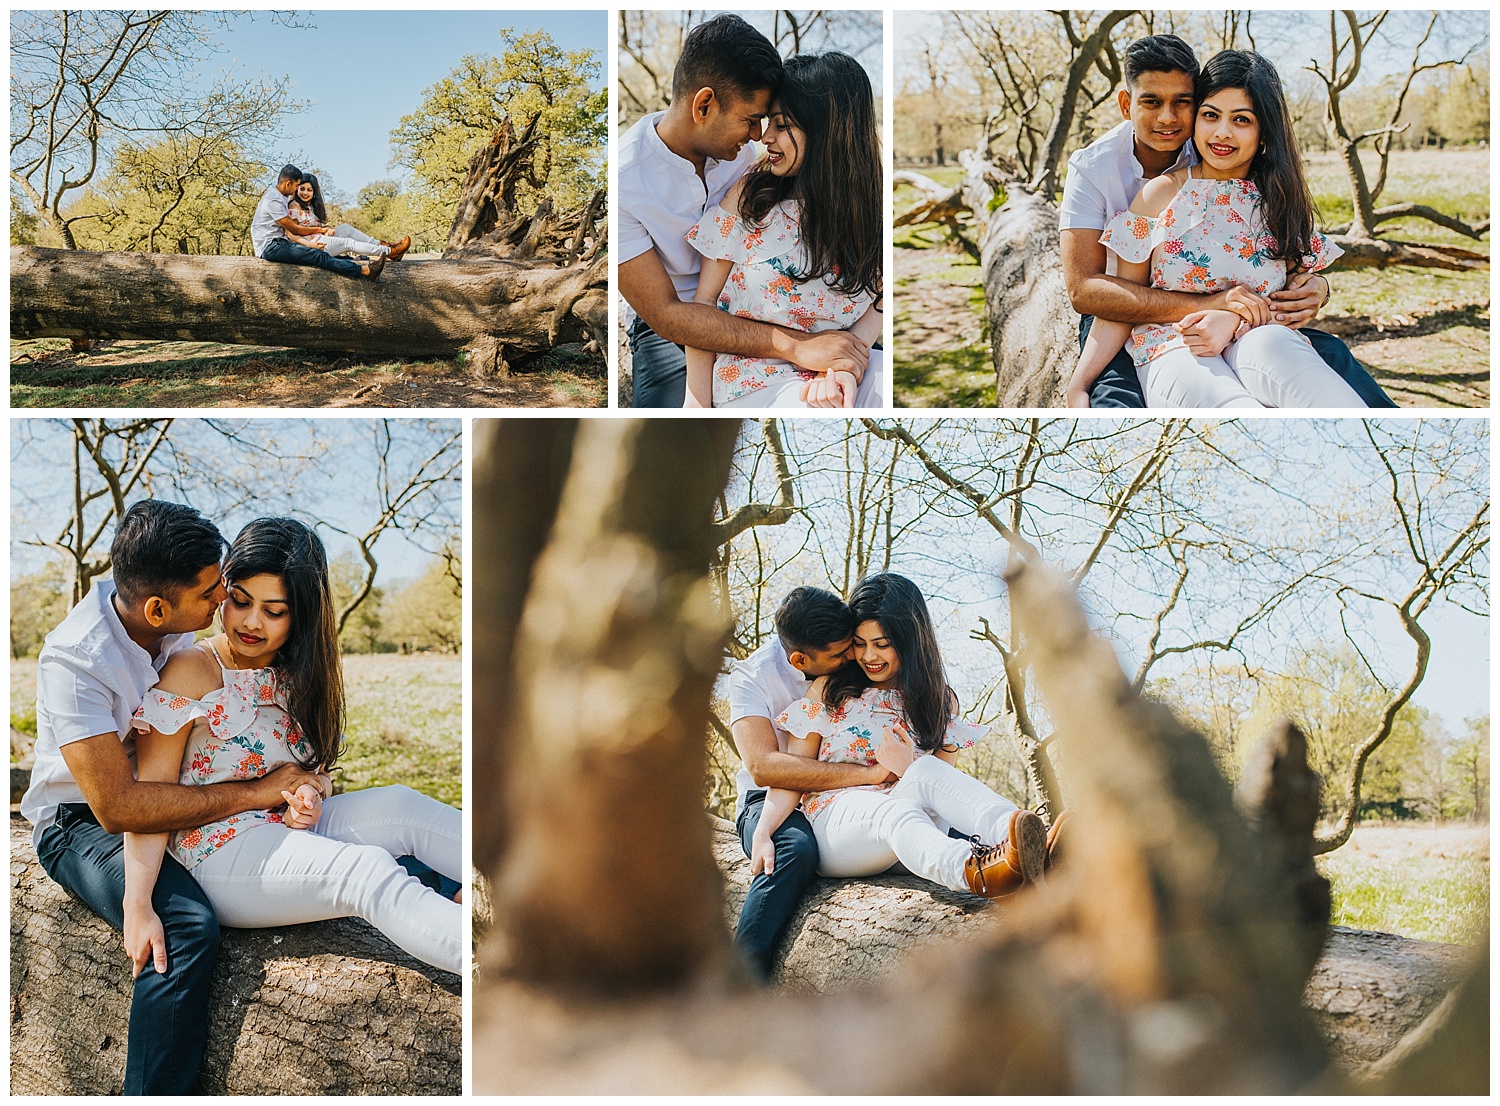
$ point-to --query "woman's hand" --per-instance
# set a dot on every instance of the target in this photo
(1206, 333)
(762, 855)
(1253, 308)
(303, 807)
(831, 389)
(145, 939)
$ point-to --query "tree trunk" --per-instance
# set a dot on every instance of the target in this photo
(1033, 328)
(1382, 253)
(416, 309)
(330, 1008)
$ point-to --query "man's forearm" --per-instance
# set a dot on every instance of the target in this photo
(704, 327)
(165, 807)
(805, 774)
(1107, 297)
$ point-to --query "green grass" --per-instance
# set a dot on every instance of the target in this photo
(1426, 896)
(405, 721)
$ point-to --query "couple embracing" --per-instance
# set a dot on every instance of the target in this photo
(755, 280)
(1189, 246)
(182, 784)
(849, 731)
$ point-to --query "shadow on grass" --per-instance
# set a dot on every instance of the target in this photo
(962, 377)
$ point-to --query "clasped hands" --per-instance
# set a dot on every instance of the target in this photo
(1207, 333)
(305, 805)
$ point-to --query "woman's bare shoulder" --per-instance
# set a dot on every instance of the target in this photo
(731, 200)
(192, 673)
(1158, 193)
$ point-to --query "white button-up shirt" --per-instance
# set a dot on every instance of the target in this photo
(1104, 179)
(662, 198)
(762, 686)
(90, 678)
(264, 228)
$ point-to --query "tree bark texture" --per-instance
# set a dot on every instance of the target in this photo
(329, 1008)
(1033, 328)
(416, 309)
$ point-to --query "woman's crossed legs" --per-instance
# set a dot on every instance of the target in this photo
(1271, 366)
(346, 867)
(865, 832)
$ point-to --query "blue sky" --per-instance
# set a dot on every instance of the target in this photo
(362, 70)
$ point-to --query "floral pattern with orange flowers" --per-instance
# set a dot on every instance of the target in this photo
(762, 286)
(240, 731)
(1210, 237)
(849, 734)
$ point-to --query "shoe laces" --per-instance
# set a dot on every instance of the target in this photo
(983, 855)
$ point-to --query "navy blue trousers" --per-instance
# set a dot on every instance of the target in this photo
(287, 252)
(772, 900)
(658, 368)
(168, 1013)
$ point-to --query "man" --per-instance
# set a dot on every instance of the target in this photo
(814, 636)
(93, 672)
(272, 221)
(674, 166)
(1103, 179)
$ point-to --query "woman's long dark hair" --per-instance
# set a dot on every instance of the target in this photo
(927, 701)
(309, 659)
(837, 187)
(1276, 169)
(316, 203)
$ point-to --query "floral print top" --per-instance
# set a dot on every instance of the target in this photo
(240, 732)
(760, 286)
(850, 733)
(1210, 236)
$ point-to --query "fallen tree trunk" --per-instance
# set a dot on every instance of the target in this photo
(330, 1008)
(1382, 253)
(1033, 327)
(416, 309)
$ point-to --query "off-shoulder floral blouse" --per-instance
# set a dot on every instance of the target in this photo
(240, 732)
(760, 287)
(1211, 236)
(850, 733)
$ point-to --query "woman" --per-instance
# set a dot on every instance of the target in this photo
(797, 241)
(898, 684)
(265, 691)
(1244, 215)
(306, 207)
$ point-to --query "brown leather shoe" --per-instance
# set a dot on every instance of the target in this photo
(999, 870)
(1055, 835)
(374, 267)
(398, 249)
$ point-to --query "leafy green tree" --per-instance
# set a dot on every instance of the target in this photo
(38, 602)
(1470, 760)
(362, 630)
(427, 614)
(533, 76)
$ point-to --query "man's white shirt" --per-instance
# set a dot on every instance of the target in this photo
(662, 198)
(1104, 179)
(263, 227)
(762, 686)
(90, 679)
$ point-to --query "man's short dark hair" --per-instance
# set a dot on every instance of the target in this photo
(289, 172)
(1159, 54)
(161, 548)
(811, 619)
(729, 56)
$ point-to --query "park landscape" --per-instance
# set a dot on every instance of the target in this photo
(1253, 655)
(989, 105)
(141, 142)
(385, 495)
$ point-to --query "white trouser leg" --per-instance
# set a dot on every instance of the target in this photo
(1280, 368)
(344, 230)
(872, 388)
(865, 832)
(275, 876)
(957, 798)
(1179, 378)
(338, 246)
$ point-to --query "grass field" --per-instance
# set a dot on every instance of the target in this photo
(1423, 333)
(405, 721)
(46, 373)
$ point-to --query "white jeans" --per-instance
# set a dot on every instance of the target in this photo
(346, 867)
(865, 832)
(871, 392)
(1271, 366)
(347, 240)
